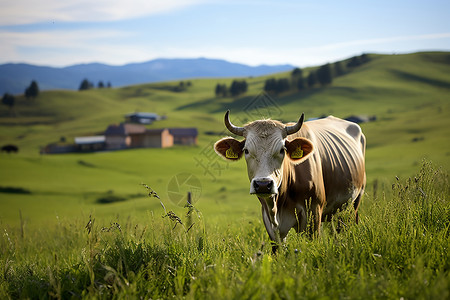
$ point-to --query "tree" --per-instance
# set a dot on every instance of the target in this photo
(282, 85)
(108, 85)
(218, 90)
(273, 85)
(364, 58)
(32, 91)
(180, 88)
(100, 84)
(221, 90)
(311, 79)
(300, 84)
(85, 85)
(324, 75)
(355, 61)
(270, 85)
(27, 93)
(297, 79)
(297, 72)
(8, 100)
(238, 87)
(338, 70)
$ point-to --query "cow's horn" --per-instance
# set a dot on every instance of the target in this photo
(233, 129)
(294, 128)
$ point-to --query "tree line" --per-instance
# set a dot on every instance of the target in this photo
(87, 85)
(322, 76)
(32, 91)
(237, 88)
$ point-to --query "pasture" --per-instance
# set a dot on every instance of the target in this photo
(83, 225)
(399, 250)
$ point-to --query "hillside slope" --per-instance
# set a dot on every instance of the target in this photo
(407, 93)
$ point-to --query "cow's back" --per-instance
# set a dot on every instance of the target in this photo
(339, 148)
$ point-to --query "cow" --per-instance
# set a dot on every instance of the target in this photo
(10, 148)
(299, 171)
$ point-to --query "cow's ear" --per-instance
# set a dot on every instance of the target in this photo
(229, 148)
(298, 149)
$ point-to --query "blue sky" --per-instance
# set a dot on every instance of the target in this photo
(302, 33)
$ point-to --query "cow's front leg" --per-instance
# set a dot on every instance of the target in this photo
(308, 217)
(301, 219)
(316, 218)
(271, 226)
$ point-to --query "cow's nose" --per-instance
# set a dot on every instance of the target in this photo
(263, 186)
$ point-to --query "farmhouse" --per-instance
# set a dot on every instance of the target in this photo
(127, 136)
(152, 138)
(119, 136)
(184, 136)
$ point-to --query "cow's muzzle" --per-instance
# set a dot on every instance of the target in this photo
(263, 186)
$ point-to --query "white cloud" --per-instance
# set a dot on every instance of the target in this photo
(55, 38)
(18, 12)
(62, 48)
(66, 47)
(307, 56)
(378, 41)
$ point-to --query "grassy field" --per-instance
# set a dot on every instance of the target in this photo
(400, 249)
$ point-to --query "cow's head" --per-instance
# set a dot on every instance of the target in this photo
(265, 148)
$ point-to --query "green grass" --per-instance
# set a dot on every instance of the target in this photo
(73, 183)
(400, 248)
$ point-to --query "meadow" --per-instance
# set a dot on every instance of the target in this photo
(398, 250)
(61, 240)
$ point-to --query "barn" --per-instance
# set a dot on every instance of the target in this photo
(119, 136)
(127, 136)
(152, 138)
(184, 136)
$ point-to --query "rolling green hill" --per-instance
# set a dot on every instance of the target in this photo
(408, 94)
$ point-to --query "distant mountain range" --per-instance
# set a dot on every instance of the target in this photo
(14, 78)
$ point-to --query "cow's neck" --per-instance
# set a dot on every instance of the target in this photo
(268, 204)
(273, 204)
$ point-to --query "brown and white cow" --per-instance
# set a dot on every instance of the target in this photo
(299, 171)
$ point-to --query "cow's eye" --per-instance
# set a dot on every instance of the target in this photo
(246, 151)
